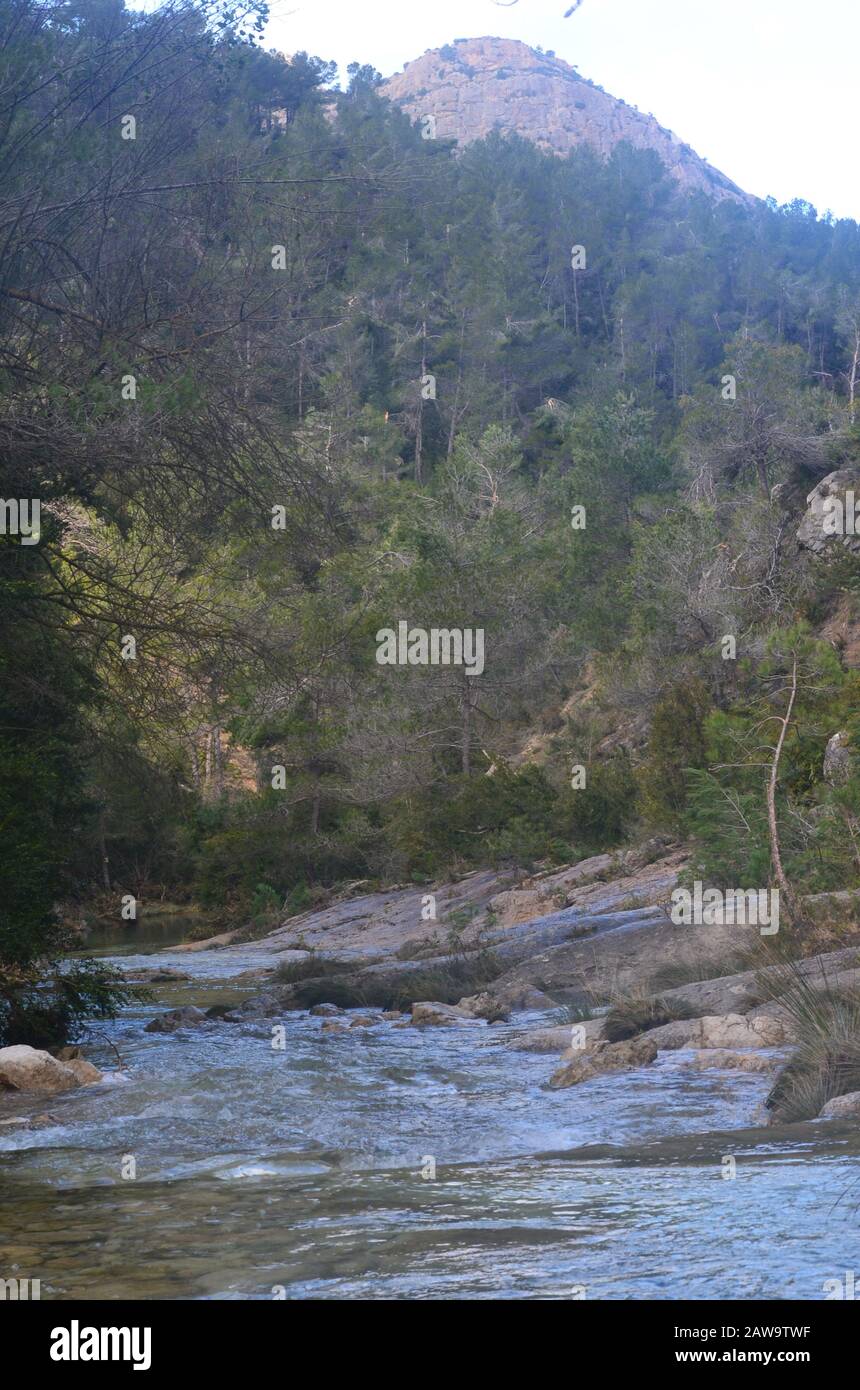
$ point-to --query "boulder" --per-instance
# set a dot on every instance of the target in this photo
(681, 1032)
(391, 1014)
(29, 1069)
(483, 1006)
(829, 502)
(169, 1022)
(435, 1014)
(604, 1059)
(845, 1107)
(735, 1031)
(721, 1059)
(87, 1074)
(333, 1025)
(517, 997)
(324, 1010)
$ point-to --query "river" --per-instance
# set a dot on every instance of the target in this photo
(307, 1172)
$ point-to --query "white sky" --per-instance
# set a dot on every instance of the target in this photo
(764, 89)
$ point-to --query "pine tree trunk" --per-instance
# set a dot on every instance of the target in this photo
(794, 912)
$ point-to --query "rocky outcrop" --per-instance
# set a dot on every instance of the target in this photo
(602, 1060)
(829, 520)
(837, 759)
(475, 86)
(29, 1069)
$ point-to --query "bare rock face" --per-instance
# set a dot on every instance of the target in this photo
(837, 759)
(830, 519)
(475, 86)
(606, 1058)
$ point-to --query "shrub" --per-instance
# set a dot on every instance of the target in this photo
(637, 1012)
(827, 1060)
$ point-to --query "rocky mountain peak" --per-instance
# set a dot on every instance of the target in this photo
(474, 86)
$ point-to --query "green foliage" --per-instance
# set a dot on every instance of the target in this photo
(676, 744)
(45, 1009)
(299, 388)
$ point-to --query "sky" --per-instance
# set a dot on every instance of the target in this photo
(764, 89)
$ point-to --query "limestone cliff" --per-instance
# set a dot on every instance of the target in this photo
(474, 86)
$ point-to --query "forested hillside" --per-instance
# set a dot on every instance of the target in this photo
(283, 373)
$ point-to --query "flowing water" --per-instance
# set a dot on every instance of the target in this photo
(308, 1172)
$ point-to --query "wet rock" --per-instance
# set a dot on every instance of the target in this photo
(516, 997)
(324, 1010)
(436, 1015)
(845, 1107)
(363, 1021)
(483, 1006)
(333, 1025)
(29, 1069)
(720, 1058)
(390, 1014)
(87, 1074)
(218, 1011)
(30, 1122)
(222, 939)
(169, 1022)
(604, 1059)
(560, 1039)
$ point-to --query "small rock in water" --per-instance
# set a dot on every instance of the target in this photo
(324, 1010)
(606, 1057)
(484, 1006)
(87, 1074)
(333, 1025)
(435, 1014)
(169, 1022)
